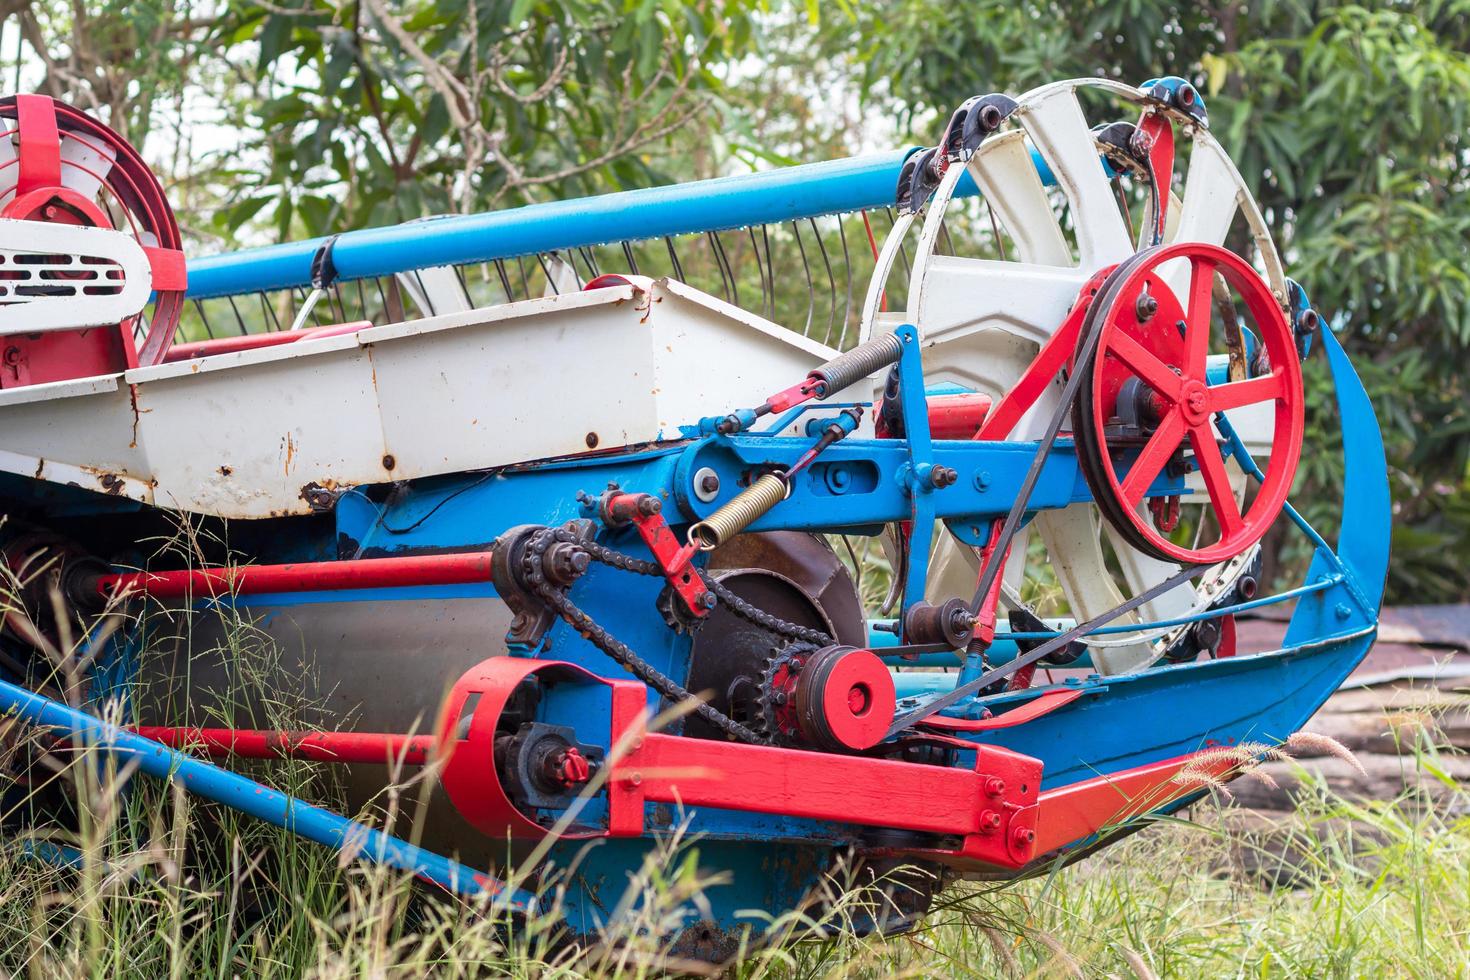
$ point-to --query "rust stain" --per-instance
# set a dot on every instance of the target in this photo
(225, 470)
(133, 398)
(290, 452)
(111, 482)
(40, 468)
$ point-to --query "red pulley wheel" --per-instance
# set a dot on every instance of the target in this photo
(1149, 368)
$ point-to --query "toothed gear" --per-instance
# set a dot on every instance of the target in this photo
(775, 715)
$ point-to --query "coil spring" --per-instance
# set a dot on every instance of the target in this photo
(748, 507)
(858, 363)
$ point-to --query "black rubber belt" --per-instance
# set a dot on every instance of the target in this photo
(1092, 332)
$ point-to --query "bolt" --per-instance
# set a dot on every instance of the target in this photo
(989, 116)
(778, 698)
(982, 481)
(995, 786)
(636, 779)
(564, 562)
(389, 462)
(319, 498)
(12, 356)
(648, 506)
(990, 821)
(1342, 611)
(592, 440)
(942, 476)
(1146, 306)
(707, 600)
(570, 768)
(709, 482)
(1023, 837)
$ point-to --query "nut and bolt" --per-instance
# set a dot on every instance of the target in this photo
(706, 484)
(995, 786)
(564, 561)
(320, 498)
(1146, 306)
(989, 116)
(990, 821)
(1023, 837)
(648, 506)
(708, 600)
(943, 476)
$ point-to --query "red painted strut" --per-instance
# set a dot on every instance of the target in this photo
(321, 576)
(368, 747)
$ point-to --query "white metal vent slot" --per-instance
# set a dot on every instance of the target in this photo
(28, 276)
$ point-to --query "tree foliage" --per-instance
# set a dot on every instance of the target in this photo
(372, 112)
(1350, 124)
(1349, 121)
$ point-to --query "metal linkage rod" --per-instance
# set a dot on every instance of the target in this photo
(256, 799)
(1045, 650)
(373, 748)
(324, 576)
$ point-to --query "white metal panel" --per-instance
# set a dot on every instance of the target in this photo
(1006, 175)
(84, 166)
(1059, 130)
(50, 284)
(243, 434)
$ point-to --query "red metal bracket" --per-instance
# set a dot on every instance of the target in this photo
(1043, 704)
(646, 514)
(1055, 354)
(1155, 136)
(40, 144)
(803, 391)
(992, 806)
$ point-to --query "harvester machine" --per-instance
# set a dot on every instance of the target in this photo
(933, 580)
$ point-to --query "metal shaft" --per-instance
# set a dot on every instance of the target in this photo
(373, 748)
(365, 573)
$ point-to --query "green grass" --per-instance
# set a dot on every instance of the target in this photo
(171, 887)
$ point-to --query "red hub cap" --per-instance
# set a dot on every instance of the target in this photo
(1146, 398)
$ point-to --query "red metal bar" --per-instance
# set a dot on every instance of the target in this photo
(255, 341)
(368, 747)
(957, 416)
(645, 513)
(321, 576)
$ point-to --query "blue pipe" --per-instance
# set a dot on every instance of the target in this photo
(810, 190)
(257, 799)
(771, 197)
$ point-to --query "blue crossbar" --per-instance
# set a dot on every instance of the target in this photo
(771, 197)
